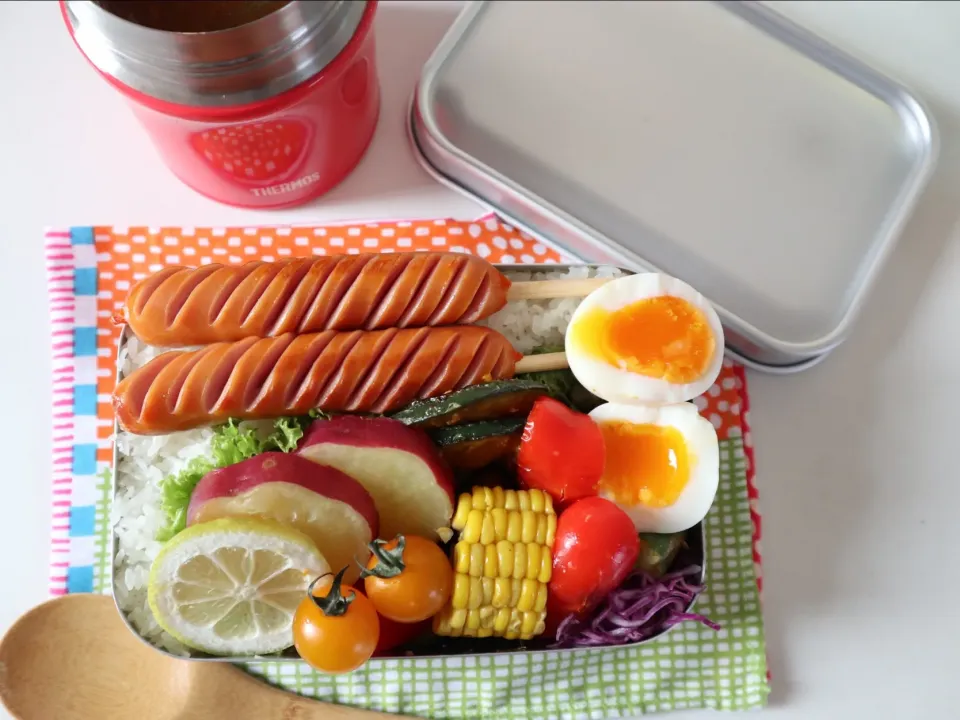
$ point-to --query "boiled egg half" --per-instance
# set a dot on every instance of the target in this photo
(646, 338)
(662, 464)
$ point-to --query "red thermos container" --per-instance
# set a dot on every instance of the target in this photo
(268, 114)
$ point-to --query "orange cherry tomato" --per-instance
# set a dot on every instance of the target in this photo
(335, 628)
(408, 579)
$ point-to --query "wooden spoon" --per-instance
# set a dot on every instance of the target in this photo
(74, 659)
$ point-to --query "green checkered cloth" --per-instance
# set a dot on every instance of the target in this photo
(689, 667)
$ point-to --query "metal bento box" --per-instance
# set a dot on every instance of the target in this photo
(717, 142)
(693, 553)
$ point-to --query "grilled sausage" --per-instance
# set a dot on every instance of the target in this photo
(289, 375)
(180, 306)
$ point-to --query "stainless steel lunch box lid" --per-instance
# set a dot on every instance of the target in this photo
(716, 142)
(226, 68)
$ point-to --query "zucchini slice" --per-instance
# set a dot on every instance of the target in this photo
(476, 445)
(657, 551)
(489, 401)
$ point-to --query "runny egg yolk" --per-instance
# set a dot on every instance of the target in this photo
(645, 464)
(661, 337)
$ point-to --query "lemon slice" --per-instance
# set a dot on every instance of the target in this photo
(231, 586)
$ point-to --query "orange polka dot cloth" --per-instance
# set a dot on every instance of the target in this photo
(90, 271)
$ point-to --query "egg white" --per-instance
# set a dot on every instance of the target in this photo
(616, 384)
(703, 462)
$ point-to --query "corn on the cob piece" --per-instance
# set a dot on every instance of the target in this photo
(502, 564)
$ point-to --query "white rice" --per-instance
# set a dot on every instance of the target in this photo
(529, 324)
(143, 461)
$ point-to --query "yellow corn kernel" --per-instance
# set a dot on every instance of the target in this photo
(514, 526)
(457, 619)
(461, 557)
(487, 534)
(546, 565)
(533, 561)
(499, 516)
(511, 624)
(515, 587)
(476, 594)
(528, 594)
(489, 498)
(502, 563)
(473, 619)
(536, 500)
(519, 561)
(445, 534)
(541, 603)
(541, 529)
(504, 558)
(464, 505)
(473, 527)
(523, 499)
(529, 624)
(476, 560)
(461, 591)
(487, 617)
(529, 528)
(490, 555)
(541, 625)
(502, 591)
(486, 587)
(482, 498)
(551, 530)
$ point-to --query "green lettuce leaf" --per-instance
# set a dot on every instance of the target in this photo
(287, 431)
(176, 491)
(232, 442)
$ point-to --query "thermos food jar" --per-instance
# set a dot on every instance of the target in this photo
(254, 104)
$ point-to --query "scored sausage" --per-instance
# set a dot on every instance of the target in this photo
(217, 303)
(353, 371)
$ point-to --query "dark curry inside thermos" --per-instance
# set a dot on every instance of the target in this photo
(191, 15)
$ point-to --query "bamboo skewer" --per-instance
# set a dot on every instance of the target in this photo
(547, 289)
(539, 363)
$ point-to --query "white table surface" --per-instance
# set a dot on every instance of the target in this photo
(858, 481)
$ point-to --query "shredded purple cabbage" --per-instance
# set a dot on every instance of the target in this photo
(639, 609)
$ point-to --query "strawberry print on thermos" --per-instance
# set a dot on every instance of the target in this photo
(255, 153)
(253, 115)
